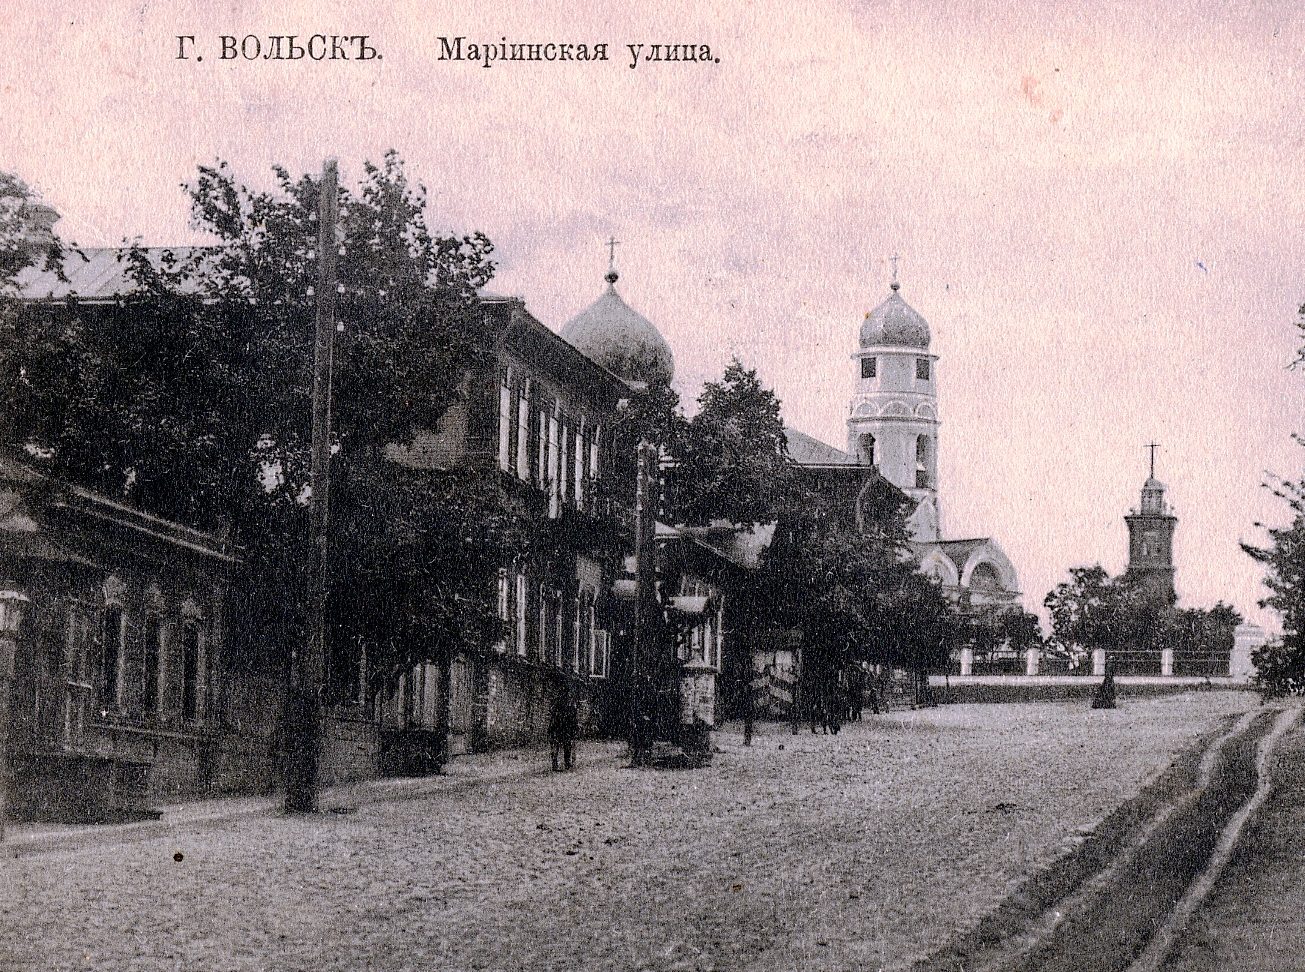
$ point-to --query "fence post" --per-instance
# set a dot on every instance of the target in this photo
(1031, 661)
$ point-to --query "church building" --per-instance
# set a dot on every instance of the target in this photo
(893, 424)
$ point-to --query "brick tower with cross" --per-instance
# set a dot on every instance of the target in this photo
(1151, 538)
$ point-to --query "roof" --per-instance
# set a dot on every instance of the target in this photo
(620, 338)
(959, 550)
(894, 322)
(91, 273)
(806, 450)
(15, 471)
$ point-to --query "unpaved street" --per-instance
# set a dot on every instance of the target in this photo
(859, 851)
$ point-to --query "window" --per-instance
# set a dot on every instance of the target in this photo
(523, 432)
(564, 463)
(505, 421)
(502, 607)
(868, 448)
(544, 626)
(602, 650)
(78, 660)
(520, 642)
(190, 673)
(575, 640)
(553, 486)
(922, 369)
(558, 628)
(579, 493)
(111, 631)
(153, 654)
(868, 366)
(541, 468)
(586, 628)
(922, 462)
(593, 459)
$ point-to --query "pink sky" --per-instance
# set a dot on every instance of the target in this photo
(1098, 211)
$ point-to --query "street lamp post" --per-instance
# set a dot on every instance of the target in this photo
(13, 606)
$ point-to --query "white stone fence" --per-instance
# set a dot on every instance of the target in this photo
(1246, 639)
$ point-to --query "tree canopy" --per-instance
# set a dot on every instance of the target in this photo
(191, 397)
(732, 457)
(1093, 610)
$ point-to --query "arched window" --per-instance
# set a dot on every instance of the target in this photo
(867, 449)
(190, 671)
(984, 577)
(112, 625)
(922, 479)
(152, 650)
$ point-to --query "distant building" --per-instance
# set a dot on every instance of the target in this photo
(1151, 539)
(893, 425)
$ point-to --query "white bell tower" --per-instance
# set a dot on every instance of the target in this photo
(893, 418)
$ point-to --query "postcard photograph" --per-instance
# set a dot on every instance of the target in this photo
(732, 486)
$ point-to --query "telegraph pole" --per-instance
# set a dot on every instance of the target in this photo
(308, 669)
(645, 579)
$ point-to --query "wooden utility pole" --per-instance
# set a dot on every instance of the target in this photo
(643, 675)
(308, 669)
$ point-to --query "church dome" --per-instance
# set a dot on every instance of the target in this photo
(894, 322)
(620, 339)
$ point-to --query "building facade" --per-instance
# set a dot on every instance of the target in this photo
(539, 424)
(118, 696)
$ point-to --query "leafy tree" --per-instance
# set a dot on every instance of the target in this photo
(27, 239)
(1085, 611)
(994, 627)
(195, 402)
(651, 414)
(1281, 665)
(1095, 611)
(732, 457)
(853, 593)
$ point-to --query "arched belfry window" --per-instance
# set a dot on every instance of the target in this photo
(922, 457)
(867, 448)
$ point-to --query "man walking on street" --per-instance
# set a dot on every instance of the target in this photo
(562, 728)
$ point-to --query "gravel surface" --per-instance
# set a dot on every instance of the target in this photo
(857, 851)
(1253, 922)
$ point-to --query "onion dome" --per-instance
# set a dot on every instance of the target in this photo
(620, 339)
(894, 322)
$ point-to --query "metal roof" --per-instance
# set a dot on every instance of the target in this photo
(90, 273)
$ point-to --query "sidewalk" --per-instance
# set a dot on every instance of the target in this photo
(464, 772)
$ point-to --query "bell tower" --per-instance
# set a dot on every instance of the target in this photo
(1151, 538)
(893, 417)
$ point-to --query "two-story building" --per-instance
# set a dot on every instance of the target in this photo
(539, 421)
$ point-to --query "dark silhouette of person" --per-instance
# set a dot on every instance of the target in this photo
(642, 729)
(563, 725)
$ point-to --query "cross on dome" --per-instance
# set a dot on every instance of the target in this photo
(612, 275)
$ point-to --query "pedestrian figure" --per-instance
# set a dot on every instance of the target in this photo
(855, 693)
(641, 727)
(1105, 694)
(563, 725)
